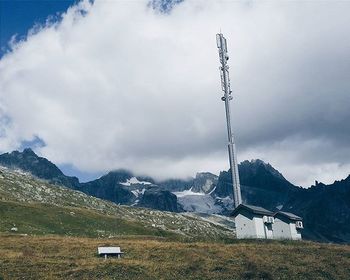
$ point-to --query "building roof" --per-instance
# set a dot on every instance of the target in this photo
(290, 216)
(251, 208)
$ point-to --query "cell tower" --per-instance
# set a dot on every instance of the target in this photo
(225, 83)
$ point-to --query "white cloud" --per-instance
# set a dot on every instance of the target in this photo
(128, 87)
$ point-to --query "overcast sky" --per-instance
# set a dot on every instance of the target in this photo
(124, 85)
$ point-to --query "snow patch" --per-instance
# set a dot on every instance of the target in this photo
(213, 190)
(134, 180)
(202, 203)
(136, 202)
(187, 193)
(138, 192)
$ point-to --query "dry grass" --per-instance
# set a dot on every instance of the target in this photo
(54, 257)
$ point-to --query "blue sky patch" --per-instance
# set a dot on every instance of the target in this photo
(19, 16)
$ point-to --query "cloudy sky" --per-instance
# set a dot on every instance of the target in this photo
(126, 84)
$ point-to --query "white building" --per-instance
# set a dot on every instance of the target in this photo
(287, 226)
(253, 222)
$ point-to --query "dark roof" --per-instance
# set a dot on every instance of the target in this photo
(251, 208)
(290, 216)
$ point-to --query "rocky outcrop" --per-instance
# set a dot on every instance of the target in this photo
(159, 199)
(38, 166)
(108, 187)
(204, 182)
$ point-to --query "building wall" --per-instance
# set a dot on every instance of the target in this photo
(260, 227)
(250, 225)
(295, 233)
(281, 229)
(245, 226)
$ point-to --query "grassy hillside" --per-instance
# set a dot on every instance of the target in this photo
(36, 218)
(59, 230)
(37, 207)
(54, 257)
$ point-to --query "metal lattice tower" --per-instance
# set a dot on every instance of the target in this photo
(225, 83)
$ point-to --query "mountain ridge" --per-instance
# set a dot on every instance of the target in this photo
(325, 208)
(41, 167)
(35, 206)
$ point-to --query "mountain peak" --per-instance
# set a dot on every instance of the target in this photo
(257, 174)
(204, 182)
(205, 175)
(120, 171)
(29, 151)
(256, 164)
(29, 161)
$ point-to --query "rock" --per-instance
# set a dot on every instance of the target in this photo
(204, 182)
(37, 166)
(160, 199)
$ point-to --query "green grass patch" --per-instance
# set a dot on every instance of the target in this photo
(40, 219)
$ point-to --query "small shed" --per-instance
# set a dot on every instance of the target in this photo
(109, 252)
(287, 226)
(253, 222)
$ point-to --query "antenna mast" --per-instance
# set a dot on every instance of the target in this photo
(225, 83)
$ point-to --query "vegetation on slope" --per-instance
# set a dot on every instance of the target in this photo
(59, 230)
(54, 257)
(37, 207)
(39, 219)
